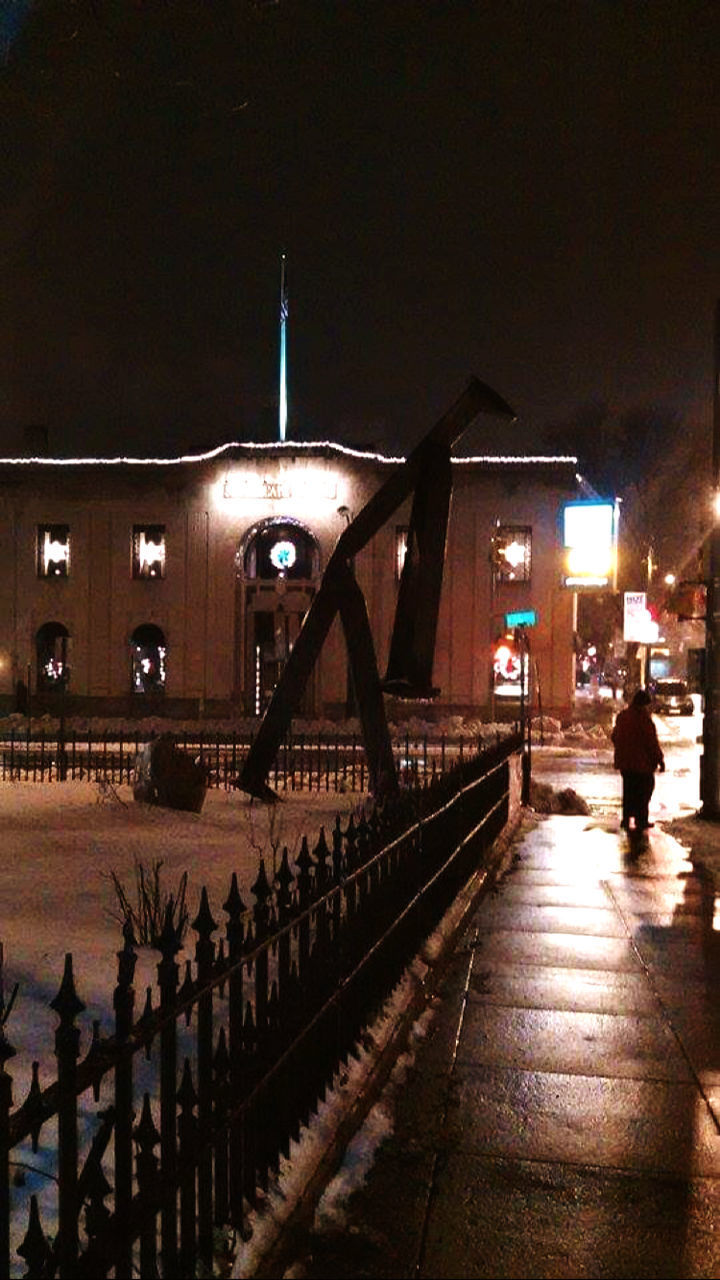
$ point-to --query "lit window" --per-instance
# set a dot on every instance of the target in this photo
(51, 649)
(506, 661)
(53, 550)
(148, 653)
(401, 546)
(512, 553)
(148, 551)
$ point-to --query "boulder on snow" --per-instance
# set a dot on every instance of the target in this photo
(167, 776)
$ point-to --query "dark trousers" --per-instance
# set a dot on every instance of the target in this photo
(637, 790)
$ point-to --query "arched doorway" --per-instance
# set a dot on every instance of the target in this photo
(51, 655)
(148, 657)
(278, 569)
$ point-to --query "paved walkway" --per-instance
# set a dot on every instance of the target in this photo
(562, 1118)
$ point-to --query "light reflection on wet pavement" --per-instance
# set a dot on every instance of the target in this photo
(590, 773)
(562, 1118)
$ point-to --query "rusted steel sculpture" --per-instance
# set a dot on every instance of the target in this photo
(426, 473)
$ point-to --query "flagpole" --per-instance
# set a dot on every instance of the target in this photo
(283, 408)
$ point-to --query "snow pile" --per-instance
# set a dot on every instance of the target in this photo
(289, 1187)
(415, 728)
(579, 734)
(547, 730)
(545, 799)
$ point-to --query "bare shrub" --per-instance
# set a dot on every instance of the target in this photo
(152, 904)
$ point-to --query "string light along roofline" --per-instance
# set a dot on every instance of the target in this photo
(276, 447)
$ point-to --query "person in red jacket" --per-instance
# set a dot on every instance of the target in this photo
(637, 755)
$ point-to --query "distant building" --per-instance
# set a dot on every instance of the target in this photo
(178, 586)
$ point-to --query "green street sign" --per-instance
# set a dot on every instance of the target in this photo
(521, 618)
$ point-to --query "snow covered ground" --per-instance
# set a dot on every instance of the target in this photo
(61, 841)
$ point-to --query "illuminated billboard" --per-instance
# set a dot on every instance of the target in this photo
(589, 544)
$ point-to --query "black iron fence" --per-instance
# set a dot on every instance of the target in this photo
(306, 761)
(198, 1098)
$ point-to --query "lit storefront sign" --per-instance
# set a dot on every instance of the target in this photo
(590, 544)
(638, 625)
(508, 673)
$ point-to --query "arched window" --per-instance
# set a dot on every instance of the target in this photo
(51, 651)
(284, 549)
(148, 651)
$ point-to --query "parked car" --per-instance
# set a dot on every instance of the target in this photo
(672, 697)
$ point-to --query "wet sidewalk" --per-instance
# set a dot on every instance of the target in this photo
(562, 1116)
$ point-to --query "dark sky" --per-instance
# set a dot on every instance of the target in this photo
(525, 192)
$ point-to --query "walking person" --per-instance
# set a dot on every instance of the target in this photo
(637, 755)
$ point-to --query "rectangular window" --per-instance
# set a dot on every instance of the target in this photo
(401, 545)
(53, 550)
(148, 559)
(512, 552)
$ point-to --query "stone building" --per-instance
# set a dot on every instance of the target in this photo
(177, 586)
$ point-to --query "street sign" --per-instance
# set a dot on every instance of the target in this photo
(521, 618)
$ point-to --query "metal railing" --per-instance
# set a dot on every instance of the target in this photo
(306, 761)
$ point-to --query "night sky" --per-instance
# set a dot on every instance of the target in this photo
(524, 192)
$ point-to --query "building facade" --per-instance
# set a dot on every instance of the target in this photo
(177, 587)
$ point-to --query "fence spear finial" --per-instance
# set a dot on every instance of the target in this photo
(204, 924)
(169, 940)
(35, 1249)
(67, 1004)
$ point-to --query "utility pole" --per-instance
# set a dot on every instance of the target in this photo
(651, 566)
(282, 399)
(493, 601)
(523, 642)
(710, 759)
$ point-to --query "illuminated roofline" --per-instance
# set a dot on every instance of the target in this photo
(519, 459)
(278, 448)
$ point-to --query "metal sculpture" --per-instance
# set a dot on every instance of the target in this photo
(426, 473)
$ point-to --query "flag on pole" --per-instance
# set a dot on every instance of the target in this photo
(283, 406)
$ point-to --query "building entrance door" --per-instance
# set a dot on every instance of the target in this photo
(272, 628)
(280, 567)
